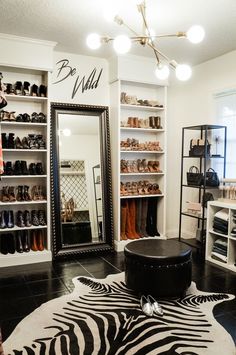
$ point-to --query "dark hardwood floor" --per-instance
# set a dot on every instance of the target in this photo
(23, 288)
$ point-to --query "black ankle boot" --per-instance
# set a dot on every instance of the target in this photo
(10, 219)
(42, 218)
(26, 117)
(27, 219)
(26, 241)
(26, 86)
(3, 219)
(34, 90)
(8, 168)
(19, 118)
(35, 118)
(42, 117)
(32, 169)
(18, 88)
(24, 167)
(40, 141)
(19, 241)
(42, 91)
(39, 169)
(25, 143)
(17, 168)
(19, 195)
(4, 141)
(20, 219)
(34, 218)
(10, 89)
(11, 141)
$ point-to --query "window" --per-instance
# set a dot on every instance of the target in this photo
(225, 103)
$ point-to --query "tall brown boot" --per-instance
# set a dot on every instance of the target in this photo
(128, 229)
(40, 242)
(143, 232)
(132, 208)
(123, 220)
(34, 245)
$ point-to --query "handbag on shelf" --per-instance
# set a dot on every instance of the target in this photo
(197, 148)
(194, 177)
(207, 196)
(212, 178)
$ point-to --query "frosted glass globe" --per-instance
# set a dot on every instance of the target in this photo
(195, 34)
(183, 72)
(162, 72)
(122, 44)
(93, 41)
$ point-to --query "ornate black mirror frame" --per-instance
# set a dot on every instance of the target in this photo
(58, 249)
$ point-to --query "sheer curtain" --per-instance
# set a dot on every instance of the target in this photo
(225, 104)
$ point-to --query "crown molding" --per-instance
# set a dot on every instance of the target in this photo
(27, 40)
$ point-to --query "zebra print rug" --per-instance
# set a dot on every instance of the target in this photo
(104, 317)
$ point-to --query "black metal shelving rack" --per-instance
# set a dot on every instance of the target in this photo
(97, 199)
(204, 134)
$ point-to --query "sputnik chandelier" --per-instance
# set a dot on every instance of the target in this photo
(122, 43)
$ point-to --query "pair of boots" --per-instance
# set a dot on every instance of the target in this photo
(20, 167)
(22, 241)
(7, 243)
(128, 217)
(20, 89)
(23, 193)
(37, 240)
(8, 142)
(8, 194)
(36, 169)
(139, 218)
(6, 219)
(23, 219)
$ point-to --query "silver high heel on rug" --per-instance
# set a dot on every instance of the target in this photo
(146, 306)
(157, 309)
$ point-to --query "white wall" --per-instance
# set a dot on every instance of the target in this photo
(189, 104)
(83, 79)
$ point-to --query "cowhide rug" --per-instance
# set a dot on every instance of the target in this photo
(104, 317)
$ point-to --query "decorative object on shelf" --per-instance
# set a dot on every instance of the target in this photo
(194, 177)
(3, 100)
(122, 43)
(194, 208)
(217, 142)
(197, 148)
(212, 178)
(207, 196)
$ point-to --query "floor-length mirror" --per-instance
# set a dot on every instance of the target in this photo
(81, 179)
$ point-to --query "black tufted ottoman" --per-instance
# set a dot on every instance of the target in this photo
(161, 268)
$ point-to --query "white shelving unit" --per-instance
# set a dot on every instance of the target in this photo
(119, 113)
(27, 104)
(212, 236)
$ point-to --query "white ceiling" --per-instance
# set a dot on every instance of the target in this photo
(68, 22)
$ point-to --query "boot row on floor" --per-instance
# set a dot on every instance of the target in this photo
(22, 241)
(22, 219)
(20, 168)
(22, 193)
(139, 218)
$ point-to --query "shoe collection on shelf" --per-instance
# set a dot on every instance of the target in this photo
(139, 218)
(33, 141)
(140, 188)
(22, 193)
(24, 132)
(134, 145)
(20, 168)
(26, 89)
(22, 241)
(153, 122)
(141, 201)
(139, 166)
(35, 117)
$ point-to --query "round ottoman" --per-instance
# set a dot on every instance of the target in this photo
(161, 268)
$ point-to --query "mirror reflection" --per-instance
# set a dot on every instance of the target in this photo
(80, 179)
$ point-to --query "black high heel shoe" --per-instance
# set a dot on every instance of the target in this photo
(42, 91)
(18, 88)
(26, 86)
(34, 90)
